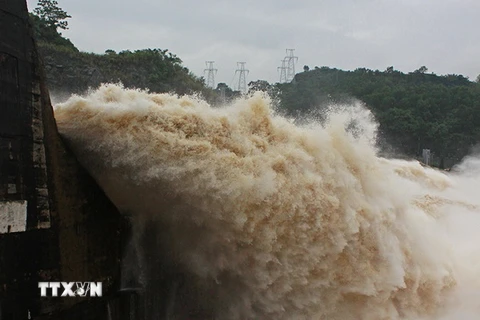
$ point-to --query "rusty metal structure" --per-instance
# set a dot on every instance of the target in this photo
(56, 224)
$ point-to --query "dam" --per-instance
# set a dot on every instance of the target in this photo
(182, 210)
(56, 224)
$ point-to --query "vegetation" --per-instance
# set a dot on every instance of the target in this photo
(415, 111)
(51, 14)
(71, 71)
(154, 69)
(46, 19)
(226, 94)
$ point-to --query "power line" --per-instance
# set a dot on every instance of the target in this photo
(242, 77)
(211, 74)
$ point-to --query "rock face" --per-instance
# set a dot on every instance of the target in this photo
(55, 222)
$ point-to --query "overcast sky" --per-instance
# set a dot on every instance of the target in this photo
(347, 34)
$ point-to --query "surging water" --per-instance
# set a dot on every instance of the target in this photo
(276, 221)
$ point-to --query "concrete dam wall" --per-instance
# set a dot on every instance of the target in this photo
(55, 222)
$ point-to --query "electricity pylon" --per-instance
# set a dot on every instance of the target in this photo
(291, 59)
(242, 77)
(211, 74)
(283, 71)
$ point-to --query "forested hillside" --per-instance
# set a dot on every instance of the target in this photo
(69, 71)
(415, 110)
(72, 71)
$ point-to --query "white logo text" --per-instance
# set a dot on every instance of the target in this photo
(70, 289)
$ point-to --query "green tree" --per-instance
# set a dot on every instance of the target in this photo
(422, 69)
(225, 93)
(259, 85)
(48, 34)
(52, 14)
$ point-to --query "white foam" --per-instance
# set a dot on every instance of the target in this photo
(289, 222)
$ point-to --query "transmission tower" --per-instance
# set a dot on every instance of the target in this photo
(211, 74)
(291, 59)
(242, 77)
(283, 71)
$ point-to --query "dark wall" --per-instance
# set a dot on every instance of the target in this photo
(55, 222)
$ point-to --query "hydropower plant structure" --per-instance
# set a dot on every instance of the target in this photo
(56, 224)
